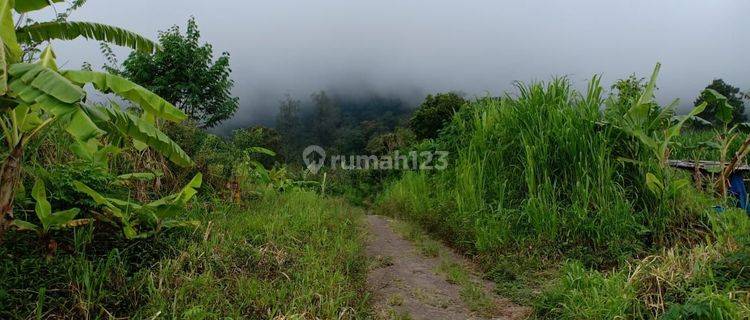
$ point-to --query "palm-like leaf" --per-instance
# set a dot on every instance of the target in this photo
(12, 50)
(90, 30)
(34, 83)
(149, 101)
(116, 121)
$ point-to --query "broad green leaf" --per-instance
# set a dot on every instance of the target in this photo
(638, 114)
(8, 32)
(125, 205)
(98, 198)
(42, 207)
(60, 218)
(182, 197)
(85, 149)
(678, 185)
(189, 190)
(108, 83)
(648, 94)
(48, 58)
(181, 224)
(141, 176)
(67, 30)
(120, 122)
(101, 156)
(261, 150)
(165, 211)
(25, 225)
(173, 205)
(81, 127)
(653, 184)
(724, 111)
(129, 232)
(23, 6)
(31, 81)
(675, 129)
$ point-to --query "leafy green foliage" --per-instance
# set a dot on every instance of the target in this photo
(724, 104)
(184, 73)
(243, 262)
(151, 103)
(60, 178)
(65, 30)
(125, 124)
(549, 169)
(144, 220)
(38, 94)
(584, 294)
(23, 6)
(48, 219)
(35, 83)
(434, 113)
(629, 90)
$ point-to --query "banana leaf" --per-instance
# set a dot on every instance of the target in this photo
(108, 83)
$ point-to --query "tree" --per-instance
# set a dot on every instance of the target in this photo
(35, 94)
(629, 89)
(733, 98)
(434, 113)
(185, 74)
(258, 136)
(288, 125)
(326, 119)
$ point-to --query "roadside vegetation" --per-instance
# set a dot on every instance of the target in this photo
(131, 210)
(128, 207)
(575, 188)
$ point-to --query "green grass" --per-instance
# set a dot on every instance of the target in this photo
(703, 282)
(545, 177)
(471, 292)
(292, 254)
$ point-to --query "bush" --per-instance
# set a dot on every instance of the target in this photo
(540, 170)
(434, 113)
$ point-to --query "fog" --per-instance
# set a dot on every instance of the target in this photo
(411, 48)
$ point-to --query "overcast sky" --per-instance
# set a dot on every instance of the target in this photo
(416, 47)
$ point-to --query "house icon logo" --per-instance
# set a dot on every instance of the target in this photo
(314, 158)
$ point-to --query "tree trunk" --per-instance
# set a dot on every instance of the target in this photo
(10, 175)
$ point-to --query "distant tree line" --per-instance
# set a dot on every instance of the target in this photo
(339, 124)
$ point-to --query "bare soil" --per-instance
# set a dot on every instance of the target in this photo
(406, 284)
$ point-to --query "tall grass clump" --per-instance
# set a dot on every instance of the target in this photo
(553, 169)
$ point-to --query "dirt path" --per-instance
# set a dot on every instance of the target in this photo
(407, 284)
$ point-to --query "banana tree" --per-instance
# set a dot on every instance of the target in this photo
(49, 220)
(144, 220)
(35, 94)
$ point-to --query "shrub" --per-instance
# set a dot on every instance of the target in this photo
(434, 113)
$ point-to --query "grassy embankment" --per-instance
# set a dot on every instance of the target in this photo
(287, 254)
(569, 210)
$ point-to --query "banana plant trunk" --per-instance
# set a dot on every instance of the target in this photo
(9, 179)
